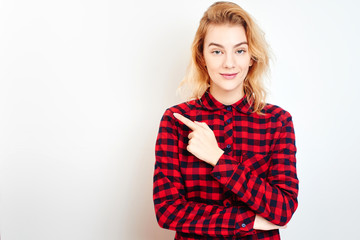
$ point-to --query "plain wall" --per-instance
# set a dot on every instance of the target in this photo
(83, 86)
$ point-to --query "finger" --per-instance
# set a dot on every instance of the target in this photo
(188, 148)
(203, 125)
(186, 121)
(191, 135)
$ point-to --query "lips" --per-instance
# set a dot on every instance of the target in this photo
(228, 75)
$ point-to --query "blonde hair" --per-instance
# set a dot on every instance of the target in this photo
(197, 79)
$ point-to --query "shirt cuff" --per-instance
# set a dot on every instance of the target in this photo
(245, 224)
(231, 173)
(224, 169)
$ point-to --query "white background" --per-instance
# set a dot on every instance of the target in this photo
(83, 86)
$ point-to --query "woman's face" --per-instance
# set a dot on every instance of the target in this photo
(227, 58)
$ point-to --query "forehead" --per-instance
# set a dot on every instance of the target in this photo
(225, 34)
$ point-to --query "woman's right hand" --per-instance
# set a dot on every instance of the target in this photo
(261, 223)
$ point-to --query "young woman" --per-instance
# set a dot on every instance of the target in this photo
(225, 160)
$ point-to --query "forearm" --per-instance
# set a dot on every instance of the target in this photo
(174, 212)
(276, 201)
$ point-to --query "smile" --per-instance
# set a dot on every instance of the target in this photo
(228, 75)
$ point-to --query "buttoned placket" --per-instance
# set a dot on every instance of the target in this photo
(228, 130)
(228, 139)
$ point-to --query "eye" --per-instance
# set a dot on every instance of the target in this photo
(240, 51)
(216, 52)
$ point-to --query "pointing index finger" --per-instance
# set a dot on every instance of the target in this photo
(186, 121)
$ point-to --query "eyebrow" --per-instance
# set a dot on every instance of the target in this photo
(221, 46)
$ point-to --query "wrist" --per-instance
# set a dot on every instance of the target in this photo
(217, 155)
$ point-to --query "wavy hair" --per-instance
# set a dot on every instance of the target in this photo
(197, 79)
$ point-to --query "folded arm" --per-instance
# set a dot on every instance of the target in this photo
(273, 197)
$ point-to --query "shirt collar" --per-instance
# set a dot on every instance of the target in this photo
(209, 102)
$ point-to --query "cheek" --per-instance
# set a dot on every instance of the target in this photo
(212, 62)
(211, 68)
(244, 62)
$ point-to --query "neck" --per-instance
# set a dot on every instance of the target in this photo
(226, 97)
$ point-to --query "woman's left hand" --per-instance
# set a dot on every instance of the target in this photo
(202, 141)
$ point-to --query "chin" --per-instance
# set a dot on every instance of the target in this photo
(229, 87)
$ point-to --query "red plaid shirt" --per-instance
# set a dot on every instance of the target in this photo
(255, 175)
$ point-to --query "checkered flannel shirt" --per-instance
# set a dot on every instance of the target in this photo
(255, 175)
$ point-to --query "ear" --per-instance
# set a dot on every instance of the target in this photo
(203, 62)
(251, 62)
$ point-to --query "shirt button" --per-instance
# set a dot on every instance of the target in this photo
(228, 146)
(228, 108)
(228, 121)
(227, 204)
(218, 177)
(243, 225)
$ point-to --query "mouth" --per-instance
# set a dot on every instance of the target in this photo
(228, 75)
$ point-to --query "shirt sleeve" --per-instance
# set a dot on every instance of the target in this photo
(173, 211)
(273, 197)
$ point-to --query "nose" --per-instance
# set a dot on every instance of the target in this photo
(229, 61)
